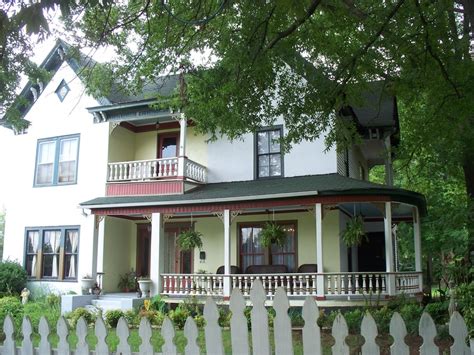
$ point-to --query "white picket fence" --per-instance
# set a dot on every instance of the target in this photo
(240, 340)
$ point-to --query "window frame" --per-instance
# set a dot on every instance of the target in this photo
(61, 253)
(256, 155)
(268, 250)
(57, 150)
(58, 90)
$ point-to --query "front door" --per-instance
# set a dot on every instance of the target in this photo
(168, 145)
(143, 249)
(176, 261)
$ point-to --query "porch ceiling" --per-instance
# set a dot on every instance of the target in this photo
(326, 185)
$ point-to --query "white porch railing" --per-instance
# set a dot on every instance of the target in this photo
(153, 169)
(295, 284)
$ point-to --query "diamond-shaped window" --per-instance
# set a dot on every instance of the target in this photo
(62, 90)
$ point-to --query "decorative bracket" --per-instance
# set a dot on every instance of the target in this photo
(220, 215)
(167, 217)
(233, 215)
(147, 217)
(114, 125)
(98, 219)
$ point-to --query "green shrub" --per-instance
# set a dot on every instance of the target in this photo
(465, 300)
(13, 307)
(224, 317)
(179, 315)
(382, 317)
(74, 316)
(438, 311)
(411, 314)
(296, 317)
(112, 317)
(158, 304)
(325, 320)
(12, 277)
(132, 318)
(35, 310)
(53, 300)
(200, 321)
(354, 319)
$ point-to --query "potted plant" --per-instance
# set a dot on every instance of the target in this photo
(144, 282)
(272, 233)
(128, 282)
(190, 239)
(354, 233)
(87, 283)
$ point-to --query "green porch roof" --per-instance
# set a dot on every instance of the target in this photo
(311, 185)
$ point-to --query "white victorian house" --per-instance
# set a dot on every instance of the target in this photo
(112, 182)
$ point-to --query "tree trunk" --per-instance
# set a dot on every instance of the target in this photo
(468, 168)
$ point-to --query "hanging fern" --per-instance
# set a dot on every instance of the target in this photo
(272, 233)
(189, 240)
(354, 233)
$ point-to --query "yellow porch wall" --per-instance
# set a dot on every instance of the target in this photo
(213, 239)
(121, 145)
(145, 145)
(119, 247)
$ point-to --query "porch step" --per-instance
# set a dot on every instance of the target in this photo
(107, 304)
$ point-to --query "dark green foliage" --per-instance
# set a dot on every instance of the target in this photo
(12, 277)
(157, 303)
(224, 316)
(35, 310)
(132, 318)
(190, 239)
(354, 319)
(438, 311)
(13, 307)
(296, 317)
(272, 233)
(74, 316)
(382, 317)
(53, 300)
(112, 317)
(354, 233)
(178, 316)
(465, 300)
(411, 314)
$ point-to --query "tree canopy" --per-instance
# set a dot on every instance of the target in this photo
(300, 60)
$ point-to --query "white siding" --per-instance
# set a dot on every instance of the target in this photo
(29, 206)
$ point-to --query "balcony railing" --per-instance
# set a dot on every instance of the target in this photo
(155, 169)
(295, 284)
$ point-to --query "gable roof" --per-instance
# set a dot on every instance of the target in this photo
(61, 52)
(310, 185)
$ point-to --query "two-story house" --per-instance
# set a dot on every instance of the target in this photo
(112, 182)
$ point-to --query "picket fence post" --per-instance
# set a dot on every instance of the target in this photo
(368, 330)
(259, 318)
(311, 331)
(191, 333)
(398, 331)
(238, 324)
(123, 333)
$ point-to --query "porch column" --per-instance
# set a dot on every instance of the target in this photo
(182, 146)
(389, 265)
(227, 283)
(417, 237)
(182, 135)
(318, 210)
(98, 248)
(157, 249)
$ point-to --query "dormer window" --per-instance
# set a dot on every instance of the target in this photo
(62, 90)
(269, 156)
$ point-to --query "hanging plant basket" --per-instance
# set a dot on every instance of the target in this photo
(272, 233)
(189, 240)
(354, 234)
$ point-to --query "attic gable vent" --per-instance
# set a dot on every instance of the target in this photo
(62, 90)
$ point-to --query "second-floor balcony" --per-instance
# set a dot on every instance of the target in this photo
(156, 169)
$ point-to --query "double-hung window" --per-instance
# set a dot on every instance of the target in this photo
(52, 252)
(56, 161)
(269, 155)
